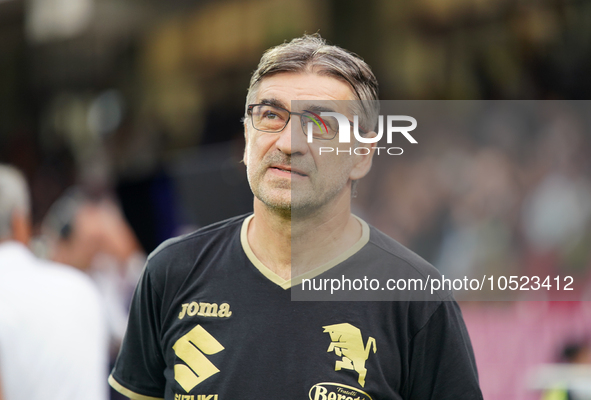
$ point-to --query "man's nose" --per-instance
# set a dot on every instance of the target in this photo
(291, 139)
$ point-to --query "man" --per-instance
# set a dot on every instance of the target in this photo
(212, 316)
(53, 336)
(93, 236)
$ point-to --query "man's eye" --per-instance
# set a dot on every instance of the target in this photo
(271, 115)
(332, 125)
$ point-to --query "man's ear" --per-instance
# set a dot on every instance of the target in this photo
(363, 158)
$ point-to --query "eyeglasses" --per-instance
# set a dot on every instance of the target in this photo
(273, 119)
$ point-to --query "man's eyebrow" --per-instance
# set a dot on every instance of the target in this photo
(318, 108)
(273, 102)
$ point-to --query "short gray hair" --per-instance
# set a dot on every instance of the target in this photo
(311, 53)
(14, 197)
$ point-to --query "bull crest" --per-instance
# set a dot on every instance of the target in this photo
(347, 342)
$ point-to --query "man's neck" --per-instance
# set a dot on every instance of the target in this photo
(292, 245)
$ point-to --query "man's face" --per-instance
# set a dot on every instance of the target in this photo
(284, 171)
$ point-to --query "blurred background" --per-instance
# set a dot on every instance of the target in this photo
(128, 112)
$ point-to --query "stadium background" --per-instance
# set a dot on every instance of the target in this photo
(141, 101)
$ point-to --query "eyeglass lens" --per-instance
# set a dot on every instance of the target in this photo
(269, 118)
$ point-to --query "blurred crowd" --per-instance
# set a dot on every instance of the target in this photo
(507, 195)
(125, 115)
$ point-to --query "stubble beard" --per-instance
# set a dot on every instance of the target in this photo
(292, 201)
(263, 190)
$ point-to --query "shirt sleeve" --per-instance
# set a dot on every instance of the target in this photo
(442, 364)
(139, 370)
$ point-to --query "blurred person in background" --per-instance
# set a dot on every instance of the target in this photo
(573, 353)
(53, 334)
(93, 236)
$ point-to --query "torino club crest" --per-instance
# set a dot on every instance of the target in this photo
(348, 344)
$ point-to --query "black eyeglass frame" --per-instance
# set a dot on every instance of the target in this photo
(290, 113)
